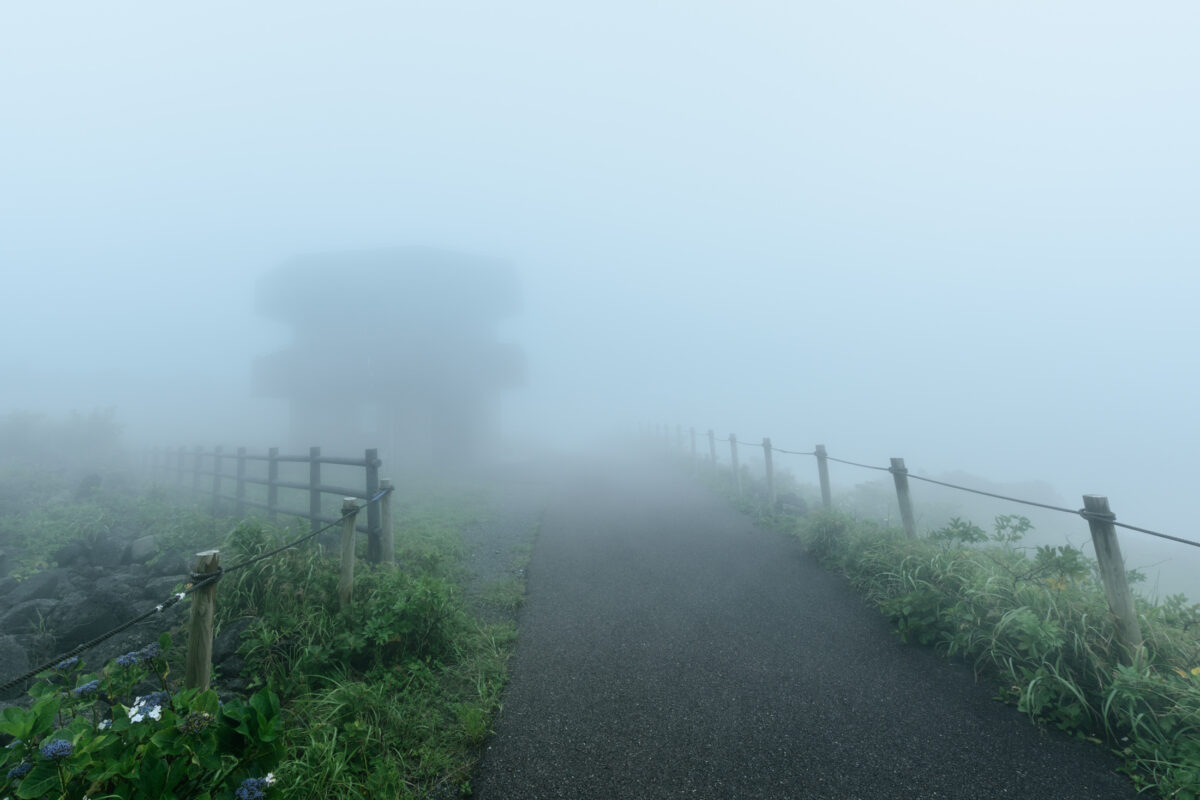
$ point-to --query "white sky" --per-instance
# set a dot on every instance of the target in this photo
(964, 233)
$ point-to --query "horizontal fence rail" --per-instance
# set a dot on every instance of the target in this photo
(1102, 523)
(214, 472)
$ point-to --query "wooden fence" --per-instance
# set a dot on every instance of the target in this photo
(1095, 510)
(213, 473)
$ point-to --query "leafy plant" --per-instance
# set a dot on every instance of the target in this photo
(98, 738)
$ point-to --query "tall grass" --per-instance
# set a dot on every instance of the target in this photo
(1037, 623)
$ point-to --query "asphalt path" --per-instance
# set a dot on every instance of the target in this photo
(668, 648)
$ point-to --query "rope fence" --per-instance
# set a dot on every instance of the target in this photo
(208, 573)
(1101, 521)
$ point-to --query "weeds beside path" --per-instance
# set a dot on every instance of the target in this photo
(669, 649)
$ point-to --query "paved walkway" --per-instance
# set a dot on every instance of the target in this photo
(669, 649)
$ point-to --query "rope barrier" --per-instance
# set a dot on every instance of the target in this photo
(1079, 512)
(199, 581)
(856, 464)
(792, 452)
(998, 496)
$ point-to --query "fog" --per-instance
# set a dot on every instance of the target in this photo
(963, 234)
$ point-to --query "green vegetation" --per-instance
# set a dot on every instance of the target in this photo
(391, 697)
(1036, 621)
(90, 735)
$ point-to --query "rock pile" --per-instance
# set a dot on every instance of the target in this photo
(96, 586)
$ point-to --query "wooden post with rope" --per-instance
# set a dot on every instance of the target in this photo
(200, 624)
(1112, 570)
(346, 581)
(733, 456)
(770, 467)
(823, 473)
(900, 476)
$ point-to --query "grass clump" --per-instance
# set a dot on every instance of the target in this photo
(1036, 621)
(390, 697)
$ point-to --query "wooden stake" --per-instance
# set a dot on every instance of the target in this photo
(900, 476)
(374, 545)
(737, 474)
(200, 625)
(1112, 572)
(385, 507)
(823, 473)
(314, 492)
(770, 466)
(346, 582)
(273, 483)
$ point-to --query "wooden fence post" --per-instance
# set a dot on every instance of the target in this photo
(900, 476)
(197, 454)
(712, 450)
(823, 473)
(374, 545)
(346, 581)
(314, 490)
(385, 508)
(272, 483)
(241, 482)
(216, 481)
(1112, 571)
(200, 625)
(737, 474)
(770, 467)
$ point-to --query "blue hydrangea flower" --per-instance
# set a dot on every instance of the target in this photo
(149, 652)
(67, 663)
(91, 687)
(20, 770)
(127, 660)
(254, 788)
(57, 749)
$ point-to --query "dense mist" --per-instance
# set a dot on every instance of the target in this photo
(962, 235)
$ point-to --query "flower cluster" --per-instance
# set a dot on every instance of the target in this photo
(148, 706)
(254, 788)
(147, 653)
(91, 687)
(57, 749)
(20, 770)
(67, 663)
(195, 722)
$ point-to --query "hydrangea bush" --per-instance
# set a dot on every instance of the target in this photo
(92, 735)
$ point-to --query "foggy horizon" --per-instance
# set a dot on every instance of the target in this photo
(960, 235)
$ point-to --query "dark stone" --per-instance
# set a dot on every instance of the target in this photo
(25, 616)
(13, 662)
(139, 551)
(226, 643)
(171, 564)
(72, 554)
(82, 617)
(52, 583)
(161, 589)
(106, 552)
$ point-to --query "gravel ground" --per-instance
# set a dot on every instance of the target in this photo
(667, 648)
